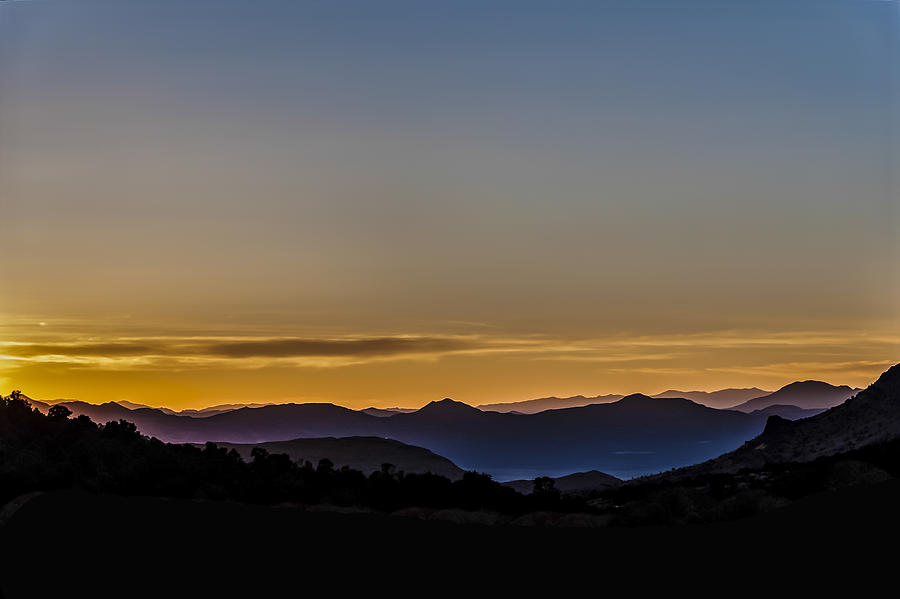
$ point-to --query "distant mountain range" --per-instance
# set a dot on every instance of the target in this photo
(366, 454)
(802, 394)
(632, 436)
(387, 411)
(626, 437)
(871, 416)
(808, 395)
(723, 398)
(199, 413)
(533, 406)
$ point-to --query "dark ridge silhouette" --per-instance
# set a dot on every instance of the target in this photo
(445, 410)
(366, 454)
(571, 483)
(283, 422)
(802, 394)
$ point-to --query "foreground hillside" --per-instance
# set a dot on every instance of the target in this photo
(872, 416)
(117, 546)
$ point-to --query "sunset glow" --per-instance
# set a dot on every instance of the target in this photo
(387, 207)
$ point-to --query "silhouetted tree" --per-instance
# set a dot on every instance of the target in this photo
(16, 402)
(59, 412)
(544, 486)
(44, 452)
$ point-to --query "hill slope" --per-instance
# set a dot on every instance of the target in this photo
(871, 416)
(366, 454)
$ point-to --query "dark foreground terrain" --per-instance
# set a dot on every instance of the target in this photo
(76, 544)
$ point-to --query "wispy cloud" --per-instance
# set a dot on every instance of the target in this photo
(256, 352)
(374, 346)
(788, 370)
(661, 354)
(857, 367)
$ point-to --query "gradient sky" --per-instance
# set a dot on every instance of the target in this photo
(386, 203)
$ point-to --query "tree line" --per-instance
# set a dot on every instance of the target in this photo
(55, 451)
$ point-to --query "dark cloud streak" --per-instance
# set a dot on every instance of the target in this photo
(257, 348)
(367, 347)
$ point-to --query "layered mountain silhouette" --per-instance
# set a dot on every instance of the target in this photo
(634, 435)
(533, 406)
(723, 398)
(366, 454)
(210, 411)
(628, 436)
(870, 416)
(802, 394)
(386, 411)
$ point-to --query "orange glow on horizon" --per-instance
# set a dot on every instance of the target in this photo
(358, 371)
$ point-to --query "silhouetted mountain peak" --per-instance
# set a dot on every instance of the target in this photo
(447, 407)
(803, 394)
(662, 404)
(811, 386)
(776, 424)
(889, 379)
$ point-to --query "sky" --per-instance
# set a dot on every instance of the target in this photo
(389, 203)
